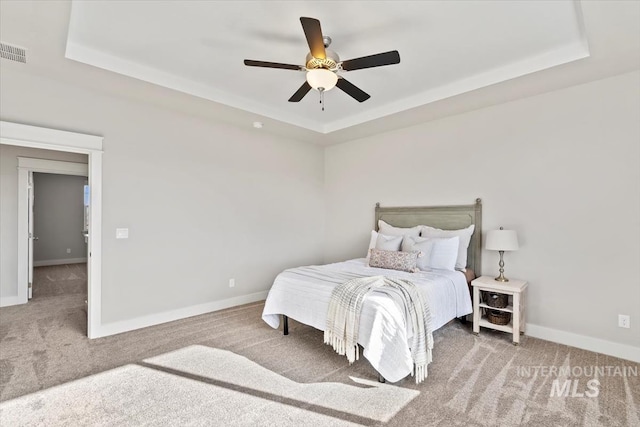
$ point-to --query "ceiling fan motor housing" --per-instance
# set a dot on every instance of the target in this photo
(330, 61)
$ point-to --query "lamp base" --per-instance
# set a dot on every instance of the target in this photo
(501, 277)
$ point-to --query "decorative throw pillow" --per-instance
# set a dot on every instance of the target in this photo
(439, 253)
(388, 243)
(465, 237)
(390, 230)
(393, 260)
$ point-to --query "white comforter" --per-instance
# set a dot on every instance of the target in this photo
(303, 294)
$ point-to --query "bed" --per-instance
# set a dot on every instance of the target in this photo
(303, 293)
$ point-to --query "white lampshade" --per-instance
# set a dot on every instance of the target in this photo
(501, 240)
(322, 78)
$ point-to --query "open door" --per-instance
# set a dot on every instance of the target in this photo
(85, 228)
(32, 238)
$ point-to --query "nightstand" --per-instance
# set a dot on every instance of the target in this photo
(515, 289)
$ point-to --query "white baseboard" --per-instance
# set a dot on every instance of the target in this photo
(623, 351)
(181, 313)
(48, 262)
(12, 300)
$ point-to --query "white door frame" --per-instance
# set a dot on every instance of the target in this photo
(30, 218)
(51, 139)
(26, 166)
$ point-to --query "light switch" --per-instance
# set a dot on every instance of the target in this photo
(122, 233)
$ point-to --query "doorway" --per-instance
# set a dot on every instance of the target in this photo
(57, 140)
(60, 236)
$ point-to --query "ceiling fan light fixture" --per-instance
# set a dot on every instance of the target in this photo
(322, 78)
(322, 65)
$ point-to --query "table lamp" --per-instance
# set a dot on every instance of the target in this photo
(501, 240)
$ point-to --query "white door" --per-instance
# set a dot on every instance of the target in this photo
(32, 238)
(85, 228)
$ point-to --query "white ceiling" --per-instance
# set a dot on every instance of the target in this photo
(446, 48)
(456, 56)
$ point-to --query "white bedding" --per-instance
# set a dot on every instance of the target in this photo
(303, 294)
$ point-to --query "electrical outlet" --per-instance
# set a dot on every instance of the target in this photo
(232, 283)
(624, 321)
(68, 250)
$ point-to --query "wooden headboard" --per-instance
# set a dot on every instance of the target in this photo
(444, 217)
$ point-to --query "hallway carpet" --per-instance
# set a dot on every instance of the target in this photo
(55, 280)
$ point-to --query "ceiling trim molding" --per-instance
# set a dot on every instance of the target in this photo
(99, 59)
(574, 52)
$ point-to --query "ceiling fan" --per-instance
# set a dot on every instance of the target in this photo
(322, 65)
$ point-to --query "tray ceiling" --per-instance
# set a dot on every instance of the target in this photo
(446, 48)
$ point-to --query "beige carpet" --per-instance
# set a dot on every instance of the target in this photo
(64, 279)
(473, 381)
(198, 384)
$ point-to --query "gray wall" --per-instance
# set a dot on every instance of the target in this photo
(560, 168)
(9, 208)
(204, 201)
(58, 218)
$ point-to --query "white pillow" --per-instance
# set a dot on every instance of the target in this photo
(465, 237)
(388, 243)
(372, 243)
(390, 230)
(444, 253)
(440, 253)
(419, 244)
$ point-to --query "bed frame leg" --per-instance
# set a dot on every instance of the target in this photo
(285, 325)
(381, 379)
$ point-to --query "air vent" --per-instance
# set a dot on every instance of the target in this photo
(13, 53)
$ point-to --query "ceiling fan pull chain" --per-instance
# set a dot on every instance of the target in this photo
(321, 90)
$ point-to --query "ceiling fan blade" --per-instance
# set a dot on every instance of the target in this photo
(377, 60)
(313, 32)
(352, 90)
(252, 63)
(300, 93)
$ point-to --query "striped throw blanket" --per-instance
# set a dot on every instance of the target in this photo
(343, 318)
